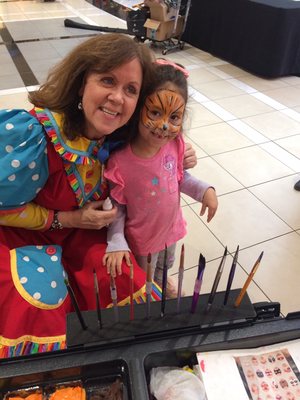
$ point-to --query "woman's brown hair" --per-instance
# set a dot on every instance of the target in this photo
(102, 53)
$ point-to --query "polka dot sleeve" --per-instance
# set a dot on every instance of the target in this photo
(23, 158)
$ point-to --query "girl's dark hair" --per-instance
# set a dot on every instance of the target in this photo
(160, 75)
(102, 53)
(163, 73)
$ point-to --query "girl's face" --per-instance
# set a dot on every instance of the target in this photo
(109, 99)
(163, 111)
(162, 116)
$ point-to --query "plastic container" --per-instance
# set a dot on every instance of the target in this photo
(95, 379)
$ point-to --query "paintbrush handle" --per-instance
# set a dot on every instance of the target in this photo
(96, 287)
(245, 287)
(231, 274)
(243, 291)
(148, 296)
(197, 288)
(179, 290)
(113, 293)
(248, 281)
(149, 288)
(164, 285)
(116, 312)
(194, 302)
(148, 299)
(229, 283)
(76, 307)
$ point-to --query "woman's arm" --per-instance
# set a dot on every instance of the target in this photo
(90, 216)
(30, 216)
(189, 157)
(34, 217)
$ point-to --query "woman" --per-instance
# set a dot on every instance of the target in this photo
(52, 191)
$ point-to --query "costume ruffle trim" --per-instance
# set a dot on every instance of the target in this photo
(27, 345)
(77, 189)
(89, 159)
(139, 297)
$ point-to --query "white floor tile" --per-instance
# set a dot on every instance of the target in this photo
(252, 165)
(243, 219)
(278, 196)
(218, 138)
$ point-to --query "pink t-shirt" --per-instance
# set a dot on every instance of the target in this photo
(149, 187)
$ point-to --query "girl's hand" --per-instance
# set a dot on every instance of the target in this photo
(190, 159)
(90, 216)
(113, 262)
(209, 201)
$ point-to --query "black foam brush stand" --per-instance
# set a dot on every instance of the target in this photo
(219, 317)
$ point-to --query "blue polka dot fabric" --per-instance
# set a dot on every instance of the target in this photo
(39, 276)
(23, 158)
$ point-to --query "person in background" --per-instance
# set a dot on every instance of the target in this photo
(52, 226)
(147, 176)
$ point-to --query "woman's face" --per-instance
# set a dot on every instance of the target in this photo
(109, 99)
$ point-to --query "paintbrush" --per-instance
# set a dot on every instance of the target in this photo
(180, 277)
(248, 281)
(164, 284)
(113, 293)
(96, 287)
(75, 304)
(216, 281)
(198, 282)
(148, 284)
(131, 292)
(231, 275)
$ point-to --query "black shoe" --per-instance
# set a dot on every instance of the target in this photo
(297, 186)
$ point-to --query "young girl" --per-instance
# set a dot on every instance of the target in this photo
(147, 176)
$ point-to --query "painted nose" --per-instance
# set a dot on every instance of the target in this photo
(165, 127)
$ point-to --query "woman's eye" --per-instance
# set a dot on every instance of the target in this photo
(132, 90)
(107, 80)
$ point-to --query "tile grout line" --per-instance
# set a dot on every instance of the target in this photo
(17, 57)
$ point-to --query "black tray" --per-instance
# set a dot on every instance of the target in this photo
(92, 375)
(157, 327)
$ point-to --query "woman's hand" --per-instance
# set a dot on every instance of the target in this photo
(90, 216)
(210, 202)
(190, 159)
(113, 262)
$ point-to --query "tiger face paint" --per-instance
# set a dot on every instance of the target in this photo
(163, 112)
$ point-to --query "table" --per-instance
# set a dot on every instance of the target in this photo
(260, 36)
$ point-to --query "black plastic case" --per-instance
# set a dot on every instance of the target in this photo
(95, 359)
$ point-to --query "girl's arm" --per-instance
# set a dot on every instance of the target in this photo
(117, 247)
(200, 191)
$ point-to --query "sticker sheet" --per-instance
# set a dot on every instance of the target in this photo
(265, 373)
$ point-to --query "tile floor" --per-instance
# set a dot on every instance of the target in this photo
(245, 129)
